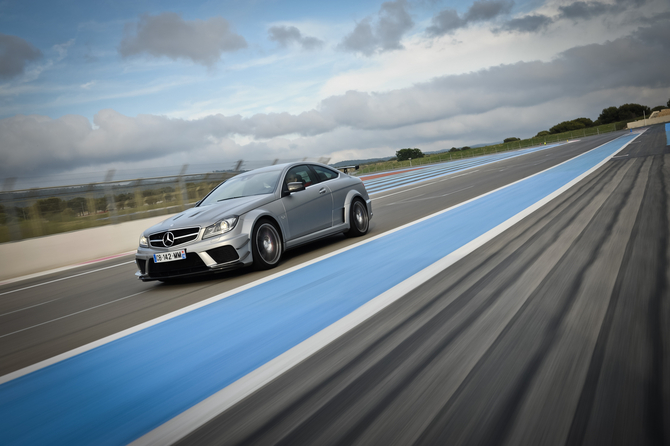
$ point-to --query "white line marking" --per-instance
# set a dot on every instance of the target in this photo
(32, 306)
(72, 314)
(111, 338)
(63, 268)
(65, 278)
(415, 199)
(423, 185)
(193, 418)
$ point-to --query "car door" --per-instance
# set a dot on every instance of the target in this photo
(308, 210)
(338, 190)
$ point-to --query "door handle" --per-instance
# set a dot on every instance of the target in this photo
(322, 190)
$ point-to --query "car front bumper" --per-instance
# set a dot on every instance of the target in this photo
(203, 256)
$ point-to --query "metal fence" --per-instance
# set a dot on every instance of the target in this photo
(39, 211)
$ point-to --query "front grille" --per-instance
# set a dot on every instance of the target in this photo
(191, 264)
(142, 265)
(181, 236)
(223, 254)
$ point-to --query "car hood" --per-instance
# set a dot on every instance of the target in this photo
(207, 215)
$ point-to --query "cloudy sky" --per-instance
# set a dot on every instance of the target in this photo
(89, 86)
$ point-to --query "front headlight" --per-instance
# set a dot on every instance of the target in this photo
(220, 227)
(144, 243)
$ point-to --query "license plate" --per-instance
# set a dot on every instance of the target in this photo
(170, 256)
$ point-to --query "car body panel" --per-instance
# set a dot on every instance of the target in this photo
(320, 210)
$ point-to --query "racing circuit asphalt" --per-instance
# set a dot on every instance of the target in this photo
(555, 332)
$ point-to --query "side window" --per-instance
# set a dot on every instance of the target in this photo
(299, 174)
(324, 174)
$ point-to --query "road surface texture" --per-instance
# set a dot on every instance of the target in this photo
(49, 315)
(557, 332)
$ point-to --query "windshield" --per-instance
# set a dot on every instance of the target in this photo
(245, 185)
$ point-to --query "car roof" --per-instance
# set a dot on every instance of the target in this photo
(285, 166)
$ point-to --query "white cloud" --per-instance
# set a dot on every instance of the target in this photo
(453, 101)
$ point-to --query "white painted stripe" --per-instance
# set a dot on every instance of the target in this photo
(423, 185)
(211, 300)
(64, 278)
(193, 418)
(32, 306)
(72, 314)
(63, 268)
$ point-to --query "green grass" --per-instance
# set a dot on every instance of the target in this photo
(487, 150)
(29, 226)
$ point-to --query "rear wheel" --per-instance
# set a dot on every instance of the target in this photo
(359, 220)
(266, 245)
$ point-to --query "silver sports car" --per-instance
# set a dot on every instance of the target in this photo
(252, 218)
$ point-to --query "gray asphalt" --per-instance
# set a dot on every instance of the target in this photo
(556, 332)
(530, 339)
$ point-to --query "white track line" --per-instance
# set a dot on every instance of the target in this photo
(72, 314)
(63, 268)
(193, 418)
(423, 185)
(251, 382)
(65, 278)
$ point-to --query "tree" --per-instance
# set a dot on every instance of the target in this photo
(658, 108)
(512, 139)
(454, 149)
(668, 104)
(632, 111)
(543, 133)
(586, 121)
(50, 206)
(609, 115)
(567, 126)
(405, 154)
(101, 204)
(78, 205)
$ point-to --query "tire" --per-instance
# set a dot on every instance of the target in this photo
(266, 245)
(359, 220)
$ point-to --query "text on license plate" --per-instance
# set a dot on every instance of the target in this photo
(170, 256)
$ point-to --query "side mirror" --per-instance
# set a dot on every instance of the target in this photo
(295, 187)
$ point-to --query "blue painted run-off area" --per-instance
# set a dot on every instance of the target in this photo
(117, 392)
(667, 134)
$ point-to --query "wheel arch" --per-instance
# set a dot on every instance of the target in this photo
(351, 196)
(252, 218)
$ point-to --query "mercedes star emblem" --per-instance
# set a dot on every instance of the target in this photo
(168, 239)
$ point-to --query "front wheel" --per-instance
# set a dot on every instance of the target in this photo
(266, 245)
(359, 220)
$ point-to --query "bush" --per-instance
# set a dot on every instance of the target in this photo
(543, 133)
(151, 200)
(454, 149)
(512, 139)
